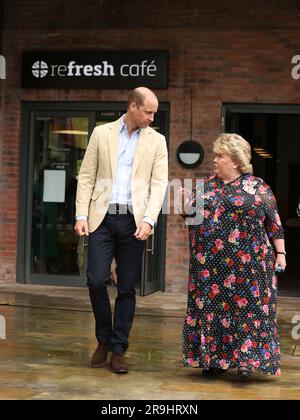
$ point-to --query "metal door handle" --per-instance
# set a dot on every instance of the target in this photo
(152, 245)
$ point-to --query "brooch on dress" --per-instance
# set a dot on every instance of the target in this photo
(248, 186)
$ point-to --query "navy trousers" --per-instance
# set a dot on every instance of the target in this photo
(114, 238)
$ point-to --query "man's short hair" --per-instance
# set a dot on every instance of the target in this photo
(136, 96)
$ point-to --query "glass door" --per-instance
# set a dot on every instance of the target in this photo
(56, 144)
(59, 146)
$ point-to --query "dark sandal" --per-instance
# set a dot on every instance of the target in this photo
(244, 372)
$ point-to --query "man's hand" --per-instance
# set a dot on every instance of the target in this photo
(81, 228)
(143, 231)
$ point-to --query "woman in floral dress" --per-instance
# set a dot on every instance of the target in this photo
(234, 254)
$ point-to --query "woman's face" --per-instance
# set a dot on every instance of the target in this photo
(223, 165)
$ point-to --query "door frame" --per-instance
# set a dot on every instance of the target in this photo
(252, 108)
(31, 109)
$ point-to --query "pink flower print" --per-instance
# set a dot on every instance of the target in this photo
(244, 349)
(207, 359)
(210, 317)
(219, 244)
(274, 282)
(257, 201)
(266, 309)
(190, 361)
(199, 303)
(242, 303)
(236, 353)
(257, 323)
(248, 343)
(264, 266)
(229, 281)
(256, 364)
(201, 258)
(225, 323)
(256, 249)
(263, 189)
(234, 236)
(238, 201)
(206, 273)
(236, 183)
(267, 355)
(232, 278)
(213, 348)
(218, 212)
(206, 214)
(246, 258)
(192, 287)
(227, 284)
(250, 315)
(190, 321)
(224, 364)
(215, 289)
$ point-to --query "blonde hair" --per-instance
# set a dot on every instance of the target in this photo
(237, 148)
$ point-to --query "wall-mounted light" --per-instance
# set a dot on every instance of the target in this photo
(190, 154)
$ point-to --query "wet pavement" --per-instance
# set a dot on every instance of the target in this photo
(50, 339)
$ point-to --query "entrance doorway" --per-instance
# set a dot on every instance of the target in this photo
(55, 138)
(272, 131)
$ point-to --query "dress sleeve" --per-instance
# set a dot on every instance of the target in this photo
(273, 222)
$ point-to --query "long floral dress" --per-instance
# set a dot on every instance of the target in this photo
(232, 293)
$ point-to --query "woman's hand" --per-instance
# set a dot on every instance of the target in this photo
(280, 260)
(184, 198)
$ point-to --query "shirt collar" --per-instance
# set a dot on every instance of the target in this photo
(123, 125)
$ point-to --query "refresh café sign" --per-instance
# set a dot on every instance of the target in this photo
(104, 69)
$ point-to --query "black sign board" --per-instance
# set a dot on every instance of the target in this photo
(103, 69)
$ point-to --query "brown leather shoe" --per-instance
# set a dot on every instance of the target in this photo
(100, 356)
(118, 364)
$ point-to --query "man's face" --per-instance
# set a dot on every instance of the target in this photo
(143, 116)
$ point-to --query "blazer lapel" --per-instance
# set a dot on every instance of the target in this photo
(113, 144)
(141, 148)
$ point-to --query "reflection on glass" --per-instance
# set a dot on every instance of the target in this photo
(60, 144)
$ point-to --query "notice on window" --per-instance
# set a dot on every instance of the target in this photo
(54, 186)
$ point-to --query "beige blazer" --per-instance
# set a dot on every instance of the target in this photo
(98, 170)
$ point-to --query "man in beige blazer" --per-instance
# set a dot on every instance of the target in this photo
(121, 188)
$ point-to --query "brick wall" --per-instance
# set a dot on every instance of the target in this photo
(236, 53)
